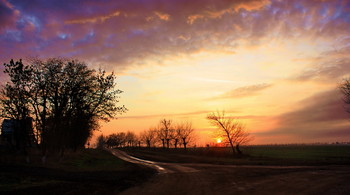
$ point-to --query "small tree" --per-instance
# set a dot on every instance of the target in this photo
(149, 136)
(231, 129)
(130, 138)
(116, 140)
(164, 132)
(184, 132)
(100, 142)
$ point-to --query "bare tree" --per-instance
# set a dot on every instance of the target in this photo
(184, 132)
(175, 135)
(130, 138)
(149, 136)
(164, 132)
(231, 129)
(345, 89)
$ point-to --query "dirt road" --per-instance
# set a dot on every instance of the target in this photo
(174, 178)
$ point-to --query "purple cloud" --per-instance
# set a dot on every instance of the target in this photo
(320, 116)
(121, 33)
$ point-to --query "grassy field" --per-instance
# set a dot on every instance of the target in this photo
(253, 155)
(329, 154)
(87, 171)
(97, 171)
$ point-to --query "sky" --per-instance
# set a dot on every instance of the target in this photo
(274, 64)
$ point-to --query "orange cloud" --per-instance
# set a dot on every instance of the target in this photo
(245, 91)
(235, 7)
(98, 19)
(162, 16)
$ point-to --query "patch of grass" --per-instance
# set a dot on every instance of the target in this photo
(317, 154)
(253, 155)
(92, 160)
(86, 171)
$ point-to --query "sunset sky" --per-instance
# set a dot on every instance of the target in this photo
(274, 64)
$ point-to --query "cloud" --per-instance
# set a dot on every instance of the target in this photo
(330, 66)
(164, 115)
(245, 91)
(213, 12)
(8, 15)
(320, 116)
(126, 34)
(99, 19)
(323, 106)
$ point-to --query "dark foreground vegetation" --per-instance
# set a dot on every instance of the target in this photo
(252, 155)
(87, 171)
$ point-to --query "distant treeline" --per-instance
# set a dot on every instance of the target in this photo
(167, 134)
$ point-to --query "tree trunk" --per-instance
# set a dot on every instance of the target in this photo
(163, 142)
(233, 148)
(175, 144)
(238, 150)
(167, 143)
(184, 143)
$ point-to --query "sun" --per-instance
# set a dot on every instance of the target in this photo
(218, 140)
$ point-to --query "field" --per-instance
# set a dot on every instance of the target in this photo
(87, 171)
(97, 171)
(292, 169)
(252, 155)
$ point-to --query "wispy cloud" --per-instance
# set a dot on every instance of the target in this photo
(165, 115)
(98, 19)
(320, 116)
(219, 9)
(331, 65)
(246, 91)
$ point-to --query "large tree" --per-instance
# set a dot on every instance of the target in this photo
(65, 97)
(15, 101)
(231, 129)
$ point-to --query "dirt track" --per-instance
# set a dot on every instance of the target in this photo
(174, 178)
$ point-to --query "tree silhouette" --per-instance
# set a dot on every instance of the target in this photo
(165, 132)
(65, 98)
(149, 136)
(100, 142)
(116, 140)
(15, 101)
(131, 139)
(184, 133)
(231, 129)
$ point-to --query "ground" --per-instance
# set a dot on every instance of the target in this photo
(83, 172)
(201, 178)
(262, 170)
